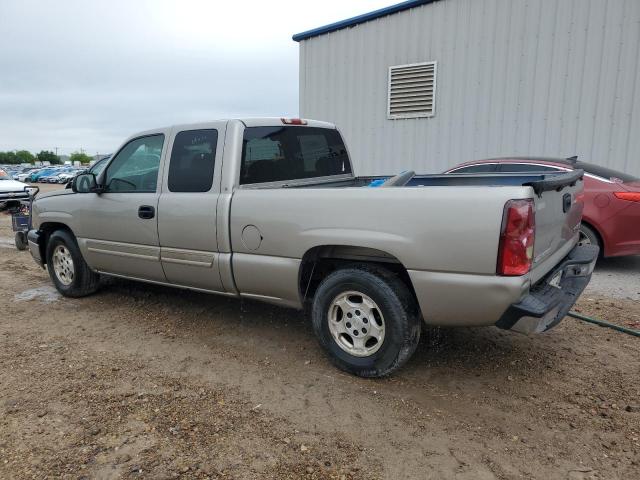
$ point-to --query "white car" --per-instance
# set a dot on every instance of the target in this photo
(64, 177)
(10, 190)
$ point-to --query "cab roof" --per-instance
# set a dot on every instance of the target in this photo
(247, 122)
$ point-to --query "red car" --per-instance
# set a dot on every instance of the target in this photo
(611, 217)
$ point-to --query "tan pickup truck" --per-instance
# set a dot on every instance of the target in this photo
(270, 209)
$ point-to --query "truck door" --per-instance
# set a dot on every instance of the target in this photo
(117, 229)
(187, 208)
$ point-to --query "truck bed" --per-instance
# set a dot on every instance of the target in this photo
(429, 211)
(540, 182)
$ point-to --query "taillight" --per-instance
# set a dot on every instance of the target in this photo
(630, 196)
(515, 251)
(293, 121)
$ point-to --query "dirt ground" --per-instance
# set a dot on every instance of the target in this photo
(150, 382)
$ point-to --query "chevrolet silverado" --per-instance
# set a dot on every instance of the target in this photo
(270, 209)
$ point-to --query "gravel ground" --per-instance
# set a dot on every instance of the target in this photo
(140, 381)
(617, 278)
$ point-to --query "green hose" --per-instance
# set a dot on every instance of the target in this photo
(602, 323)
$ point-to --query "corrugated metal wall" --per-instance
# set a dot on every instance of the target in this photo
(522, 77)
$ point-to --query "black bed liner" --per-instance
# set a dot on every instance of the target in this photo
(540, 182)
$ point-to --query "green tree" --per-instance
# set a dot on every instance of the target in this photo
(47, 156)
(8, 158)
(80, 157)
(24, 156)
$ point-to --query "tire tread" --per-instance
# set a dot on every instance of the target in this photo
(393, 288)
(86, 281)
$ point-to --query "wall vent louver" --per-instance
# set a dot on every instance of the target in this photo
(412, 90)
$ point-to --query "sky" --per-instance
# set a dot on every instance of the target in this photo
(78, 74)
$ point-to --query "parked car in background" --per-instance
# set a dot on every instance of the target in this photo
(611, 217)
(46, 177)
(10, 190)
(39, 174)
(283, 219)
(51, 178)
(59, 175)
(9, 172)
(96, 168)
(67, 176)
(24, 175)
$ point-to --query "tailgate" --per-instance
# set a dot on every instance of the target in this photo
(559, 204)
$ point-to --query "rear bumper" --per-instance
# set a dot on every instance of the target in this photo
(551, 298)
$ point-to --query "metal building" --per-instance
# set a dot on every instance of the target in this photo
(427, 84)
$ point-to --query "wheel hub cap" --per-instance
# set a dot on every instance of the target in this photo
(583, 239)
(63, 265)
(356, 324)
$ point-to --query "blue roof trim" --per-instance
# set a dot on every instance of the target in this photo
(350, 22)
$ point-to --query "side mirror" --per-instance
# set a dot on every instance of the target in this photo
(84, 183)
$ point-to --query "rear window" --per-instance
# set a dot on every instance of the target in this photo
(275, 154)
(606, 173)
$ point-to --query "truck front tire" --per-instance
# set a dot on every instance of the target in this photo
(69, 272)
(366, 318)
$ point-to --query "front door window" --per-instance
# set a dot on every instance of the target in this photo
(135, 167)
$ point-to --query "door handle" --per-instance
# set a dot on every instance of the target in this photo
(146, 211)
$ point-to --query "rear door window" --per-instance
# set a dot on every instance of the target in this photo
(192, 161)
(275, 154)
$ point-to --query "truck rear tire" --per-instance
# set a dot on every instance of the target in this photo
(69, 272)
(366, 318)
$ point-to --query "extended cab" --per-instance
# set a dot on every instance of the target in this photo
(270, 209)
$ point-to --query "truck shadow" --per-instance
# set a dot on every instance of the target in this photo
(484, 350)
(287, 338)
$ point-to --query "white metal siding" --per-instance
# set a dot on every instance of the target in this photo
(515, 77)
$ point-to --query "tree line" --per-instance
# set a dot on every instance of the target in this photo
(16, 157)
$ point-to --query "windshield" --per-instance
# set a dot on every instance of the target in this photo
(606, 173)
(4, 175)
